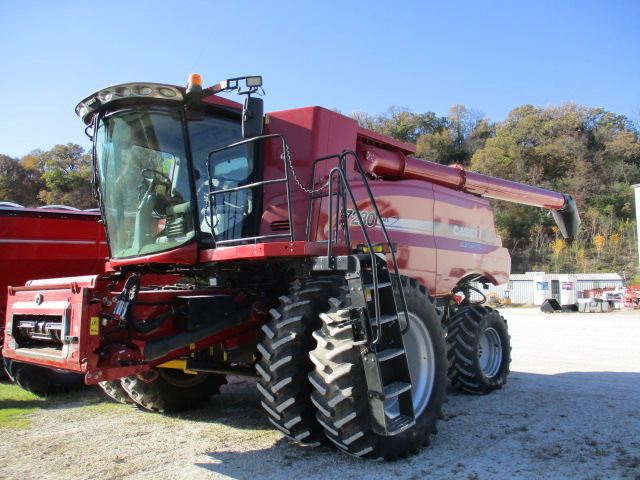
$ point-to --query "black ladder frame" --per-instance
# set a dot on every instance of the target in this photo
(373, 313)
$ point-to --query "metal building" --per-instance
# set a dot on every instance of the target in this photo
(521, 286)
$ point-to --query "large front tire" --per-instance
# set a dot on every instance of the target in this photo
(341, 389)
(480, 350)
(173, 390)
(285, 364)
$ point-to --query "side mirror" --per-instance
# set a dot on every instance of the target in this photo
(252, 117)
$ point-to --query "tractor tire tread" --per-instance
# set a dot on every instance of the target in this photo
(467, 326)
(284, 366)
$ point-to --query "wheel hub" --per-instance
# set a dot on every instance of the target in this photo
(490, 352)
(421, 359)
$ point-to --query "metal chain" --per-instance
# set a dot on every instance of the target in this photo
(287, 157)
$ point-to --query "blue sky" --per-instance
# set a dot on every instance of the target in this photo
(491, 56)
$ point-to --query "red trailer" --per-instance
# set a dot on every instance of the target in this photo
(314, 253)
(46, 242)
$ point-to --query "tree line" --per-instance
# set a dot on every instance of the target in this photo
(589, 153)
(60, 176)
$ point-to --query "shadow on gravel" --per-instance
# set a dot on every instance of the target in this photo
(26, 404)
(286, 460)
(79, 398)
(237, 406)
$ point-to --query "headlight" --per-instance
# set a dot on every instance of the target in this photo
(126, 91)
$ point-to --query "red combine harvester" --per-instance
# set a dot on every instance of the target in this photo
(43, 243)
(313, 251)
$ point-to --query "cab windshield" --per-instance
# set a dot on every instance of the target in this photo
(148, 201)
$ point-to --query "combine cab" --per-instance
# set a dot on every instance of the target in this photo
(311, 252)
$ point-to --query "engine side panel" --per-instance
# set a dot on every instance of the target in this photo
(466, 240)
(442, 235)
(406, 208)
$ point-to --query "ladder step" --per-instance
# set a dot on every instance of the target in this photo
(389, 353)
(369, 286)
(399, 424)
(387, 319)
(396, 388)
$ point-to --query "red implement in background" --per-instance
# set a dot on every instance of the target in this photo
(48, 243)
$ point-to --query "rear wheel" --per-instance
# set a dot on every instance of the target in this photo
(285, 363)
(480, 351)
(341, 389)
(113, 389)
(172, 390)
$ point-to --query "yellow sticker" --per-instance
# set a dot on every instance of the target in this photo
(192, 346)
(95, 326)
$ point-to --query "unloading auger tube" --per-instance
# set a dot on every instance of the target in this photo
(394, 165)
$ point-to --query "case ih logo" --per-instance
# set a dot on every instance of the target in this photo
(467, 232)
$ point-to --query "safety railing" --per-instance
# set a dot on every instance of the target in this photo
(342, 195)
(222, 192)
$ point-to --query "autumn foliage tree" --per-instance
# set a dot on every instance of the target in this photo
(60, 176)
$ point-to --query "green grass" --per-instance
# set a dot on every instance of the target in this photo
(15, 405)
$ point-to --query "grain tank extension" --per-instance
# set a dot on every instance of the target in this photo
(310, 252)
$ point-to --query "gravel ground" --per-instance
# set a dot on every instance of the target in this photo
(570, 409)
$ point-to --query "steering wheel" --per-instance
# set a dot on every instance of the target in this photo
(156, 176)
(155, 179)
